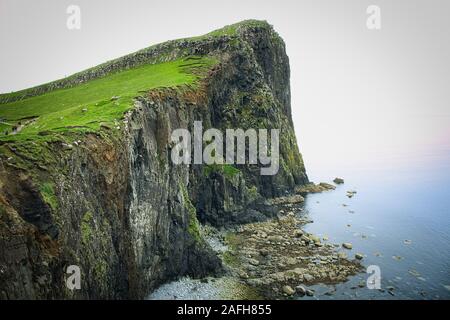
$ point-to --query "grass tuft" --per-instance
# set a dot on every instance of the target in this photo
(48, 193)
(193, 224)
(86, 229)
(227, 170)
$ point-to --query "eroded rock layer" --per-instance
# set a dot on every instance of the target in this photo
(115, 205)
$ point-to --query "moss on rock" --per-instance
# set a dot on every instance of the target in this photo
(193, 224)
(48, 194)
(86, 229)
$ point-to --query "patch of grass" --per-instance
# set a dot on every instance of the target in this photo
(232, 29)
(252, 193)
(89, 106)
(230, 259)
(193, 224)
(233, 240)
(165, 53)
(228, 171)
(86, 229)
(48, 193)
(242, 291)
(5, 127)
(100, 269)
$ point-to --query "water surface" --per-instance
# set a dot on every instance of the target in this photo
(399, 219)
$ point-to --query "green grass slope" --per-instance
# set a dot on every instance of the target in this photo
(98, 103)
(143, 56)
(95, 100)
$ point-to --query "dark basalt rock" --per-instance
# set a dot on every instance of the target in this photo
(124, 213)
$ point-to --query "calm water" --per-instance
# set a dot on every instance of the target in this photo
(406, 202)
(410, 202)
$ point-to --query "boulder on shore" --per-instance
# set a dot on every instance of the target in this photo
(301, 290)
(288, 290)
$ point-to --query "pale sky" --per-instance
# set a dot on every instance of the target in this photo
(359, 97)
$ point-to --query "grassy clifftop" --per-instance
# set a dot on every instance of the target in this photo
(100, 96)
(95, 100)
(99, 102)
(162, 52)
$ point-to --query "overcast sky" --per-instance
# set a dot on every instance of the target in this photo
(359, 97)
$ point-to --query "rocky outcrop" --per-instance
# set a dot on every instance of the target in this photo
(275, 256)
(117, 207)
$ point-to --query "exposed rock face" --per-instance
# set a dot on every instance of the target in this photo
(121, 210)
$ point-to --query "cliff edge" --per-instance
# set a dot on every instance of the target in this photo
(86, 176)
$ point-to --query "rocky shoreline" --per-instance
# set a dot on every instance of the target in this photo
(278, 259)
(273, 259)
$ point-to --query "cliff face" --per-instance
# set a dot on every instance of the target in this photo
(114, 204)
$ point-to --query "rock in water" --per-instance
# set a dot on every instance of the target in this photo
(301, 290)
(314, 188)
(347, 245)
(338, 180)
(310, 293)
(327, 186)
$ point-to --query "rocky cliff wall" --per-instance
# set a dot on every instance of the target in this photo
(116, 205)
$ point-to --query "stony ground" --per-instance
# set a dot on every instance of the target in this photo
(278, 259)
(227, 287)
(274, 259)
